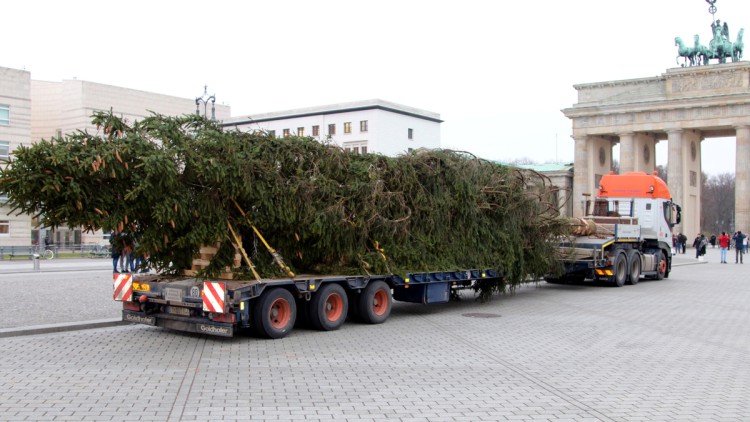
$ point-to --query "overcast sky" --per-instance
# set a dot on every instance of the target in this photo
(498, 72)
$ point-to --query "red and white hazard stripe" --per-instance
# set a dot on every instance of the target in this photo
(213, 296)
(123, 286)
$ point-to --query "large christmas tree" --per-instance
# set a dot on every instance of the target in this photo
(176, 183)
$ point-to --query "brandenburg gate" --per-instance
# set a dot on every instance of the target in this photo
(685, 107)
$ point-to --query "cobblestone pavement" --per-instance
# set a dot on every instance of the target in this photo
(33, 298)
(669, 350)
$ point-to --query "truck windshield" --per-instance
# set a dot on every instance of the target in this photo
(612, 208)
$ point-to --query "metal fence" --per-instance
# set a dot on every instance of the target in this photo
(70, 251)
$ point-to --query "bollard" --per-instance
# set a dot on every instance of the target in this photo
(35, 258)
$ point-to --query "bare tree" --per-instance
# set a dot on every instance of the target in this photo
(522, 161)
(616, 166)
(661, 171)
(717, 203)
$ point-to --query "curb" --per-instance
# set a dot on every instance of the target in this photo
(59, 328)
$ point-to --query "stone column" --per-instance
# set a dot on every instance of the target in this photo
(580, 174)
(627, 152)
(742, 180)
(675, 169)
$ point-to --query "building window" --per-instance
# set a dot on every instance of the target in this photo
(4, 115)
(286, 133)
(332, 129)
(4, 150)
(59, 133)
(356, 147)
(272, 133)
(347, 127)
(300, 131)
(4, 228)
(316, 130)
(363, 125)
(411, 133)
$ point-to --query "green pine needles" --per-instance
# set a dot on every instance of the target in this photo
(170, 182)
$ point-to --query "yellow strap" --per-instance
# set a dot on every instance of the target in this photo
(242, 251)
(276, 256)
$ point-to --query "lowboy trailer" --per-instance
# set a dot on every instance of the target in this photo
(271, 307)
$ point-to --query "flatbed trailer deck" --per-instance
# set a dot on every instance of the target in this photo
(270, 307)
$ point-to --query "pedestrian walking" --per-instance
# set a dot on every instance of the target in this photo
(724, 246)
(739, 246)
(699, 244)
(678, 243)
(712, 240)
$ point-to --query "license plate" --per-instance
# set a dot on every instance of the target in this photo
(174, 310)
(173, 295)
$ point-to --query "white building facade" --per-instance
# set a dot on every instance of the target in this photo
(373, 126)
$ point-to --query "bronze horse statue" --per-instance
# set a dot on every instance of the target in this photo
(738, 46)
(719, 48)
(688, 53)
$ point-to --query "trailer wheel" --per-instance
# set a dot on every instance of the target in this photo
(328, 307)
(374, 305)
(619, 269)
(634, 266)
(661, 266)
(275, 313)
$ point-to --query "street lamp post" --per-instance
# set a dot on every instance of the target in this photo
(204, 99)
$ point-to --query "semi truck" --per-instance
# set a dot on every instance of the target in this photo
(629, 236)
(625, 234)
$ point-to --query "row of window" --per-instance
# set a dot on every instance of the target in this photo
(332, 130)
(4, 157)
(316, 129)
(4, 151)
(356, 147)
(4, 115)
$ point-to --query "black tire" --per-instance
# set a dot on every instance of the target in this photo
(374, 304)
(274, 313)
(634, 266)
(328, 307)
(619, 269)
(661, 266)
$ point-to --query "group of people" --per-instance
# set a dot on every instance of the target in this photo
(725, 242)
(123, 253)
(679, 241)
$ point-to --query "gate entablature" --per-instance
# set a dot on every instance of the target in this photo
(714, 98)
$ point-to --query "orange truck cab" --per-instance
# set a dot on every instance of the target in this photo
(634, 215)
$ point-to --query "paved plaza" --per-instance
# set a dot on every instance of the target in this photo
(669, 350)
